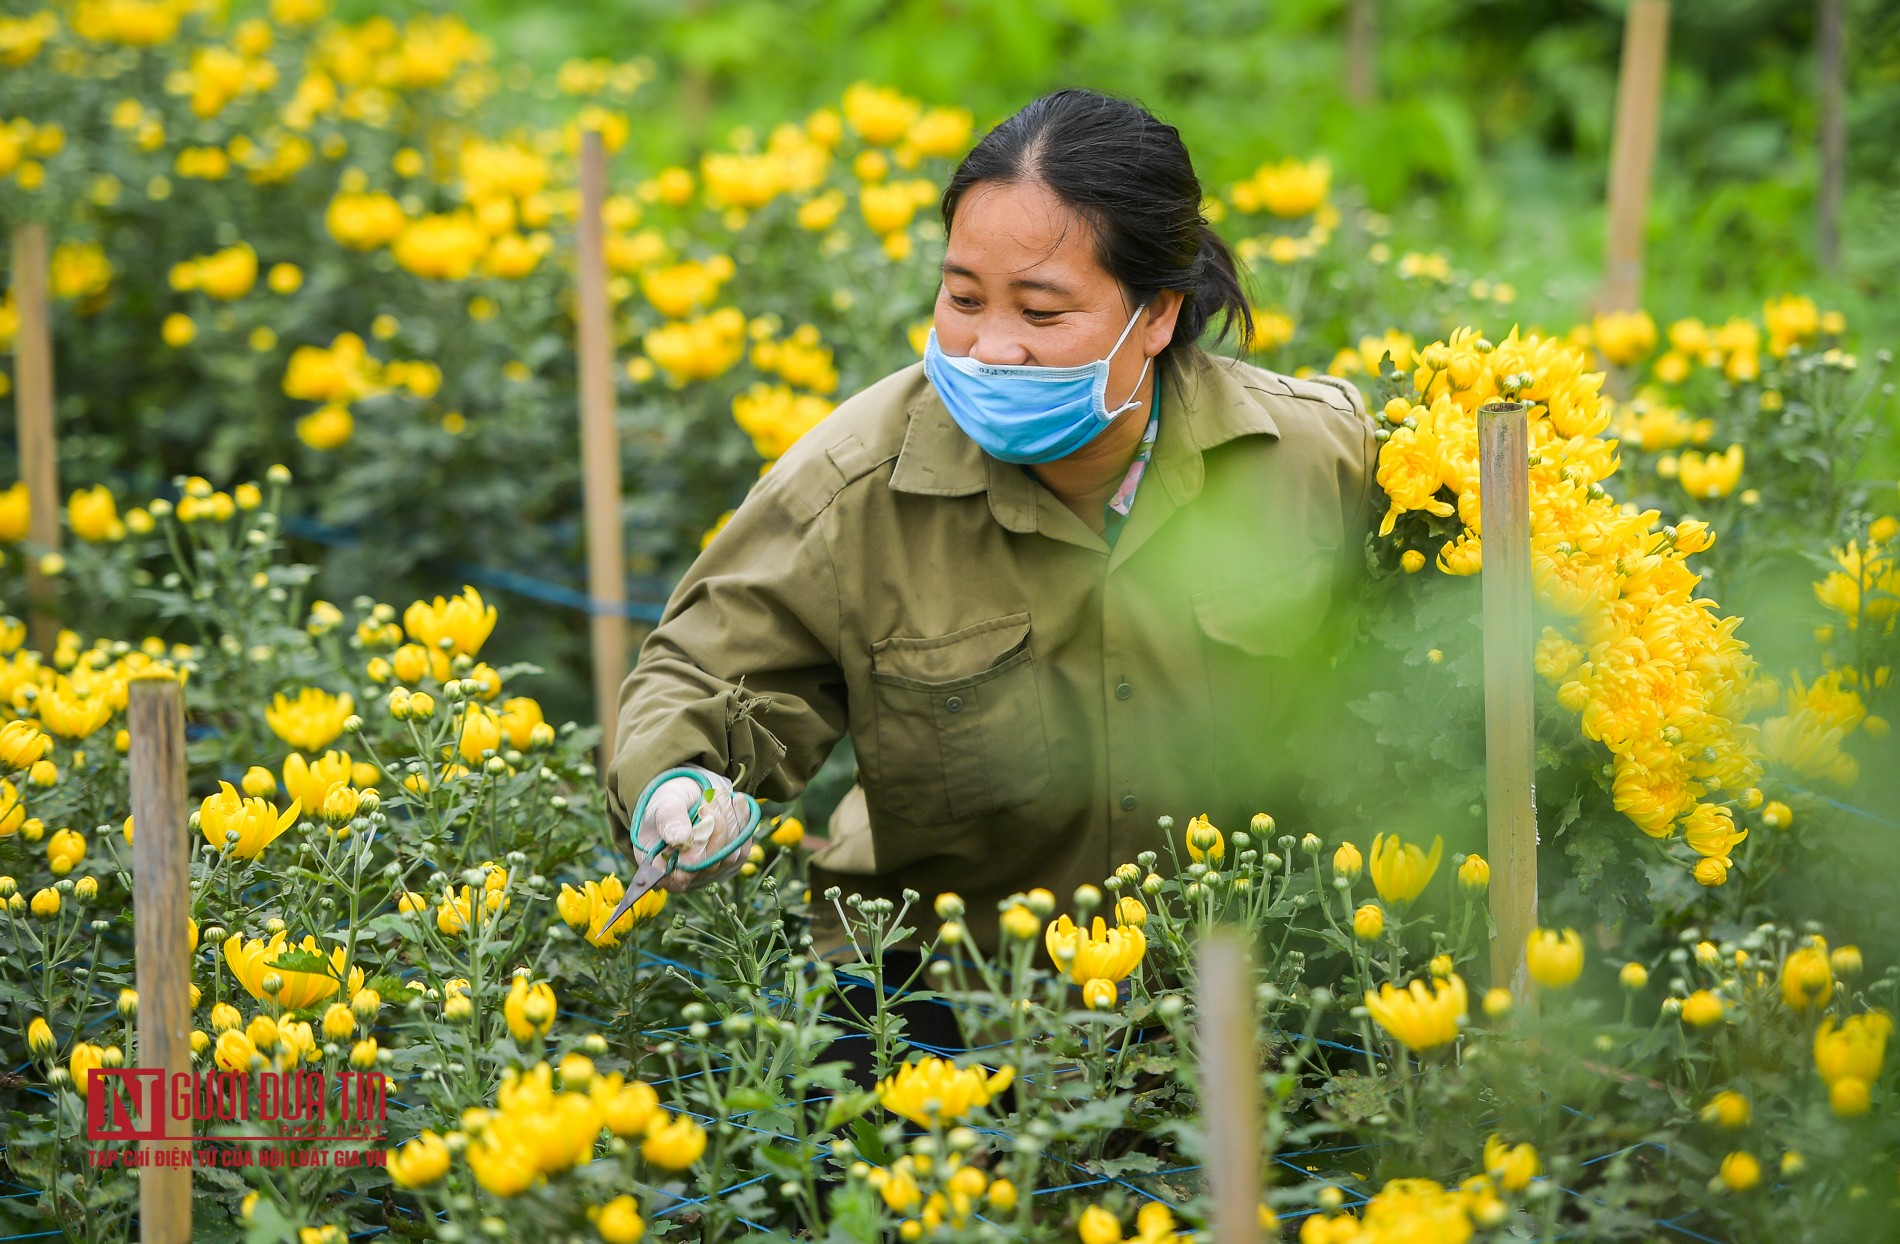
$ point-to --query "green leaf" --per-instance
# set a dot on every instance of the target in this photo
(747, 1100)
(847, 1108)
(392, 989)
(782, 1162)
(870, 1143)
(300, 960)
(1131, 1164)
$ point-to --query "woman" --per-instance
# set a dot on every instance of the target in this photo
(1063, 577)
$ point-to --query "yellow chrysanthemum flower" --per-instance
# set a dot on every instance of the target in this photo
(457, 626)
(1101, 954)
(1400, 870)
(1420, 1018)
(529, 1009)
(421, 1162)
(1807, 977)
(309, 781)
(1553, 959)
(256, 823)
(585, 910)
(937, 1091)
(1849, 1056)
(312, 721)
(253, 962)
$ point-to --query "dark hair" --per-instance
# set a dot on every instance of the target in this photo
(1127, 174)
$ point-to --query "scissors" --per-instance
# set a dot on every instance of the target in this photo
(658, 858)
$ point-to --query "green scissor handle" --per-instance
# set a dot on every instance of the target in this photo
(658, 858)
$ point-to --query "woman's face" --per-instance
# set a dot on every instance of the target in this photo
(1021, 286)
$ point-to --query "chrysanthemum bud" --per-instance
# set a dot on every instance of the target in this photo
(339, 806)
(1020, 923)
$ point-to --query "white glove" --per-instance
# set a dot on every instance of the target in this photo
(720, 821)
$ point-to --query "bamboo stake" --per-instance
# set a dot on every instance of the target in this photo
(33, 400)
(1510, 743)
(1229, 1099)
(1362, 51)
(1633, 156)
(161, 904)
(600, 450)
(1830, 46)
(696, 89)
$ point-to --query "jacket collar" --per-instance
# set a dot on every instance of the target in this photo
(1208, 401)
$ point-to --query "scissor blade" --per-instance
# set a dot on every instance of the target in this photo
(645, 877)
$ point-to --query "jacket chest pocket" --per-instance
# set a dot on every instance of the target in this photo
(1255, 630)
(959, 722)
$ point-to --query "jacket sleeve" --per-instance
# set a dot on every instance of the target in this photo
(741, 675)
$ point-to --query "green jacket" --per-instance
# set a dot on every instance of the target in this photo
(1024, 702)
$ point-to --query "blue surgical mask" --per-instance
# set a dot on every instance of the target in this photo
(1028, 414)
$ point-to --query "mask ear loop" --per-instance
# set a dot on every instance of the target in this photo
(1131, 403)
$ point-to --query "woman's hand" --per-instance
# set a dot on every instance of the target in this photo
(723, 818)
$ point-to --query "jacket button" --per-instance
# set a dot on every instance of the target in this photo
(1128, 803)
(954, 704)
(1123, 691)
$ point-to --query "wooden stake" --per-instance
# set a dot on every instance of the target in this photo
(33, 400)
(1633, 156)
(600, 450)
(1229, 1096)
(1510, 723)
(1362, 51)
(1830, 55)
(695, 89)
(161, 904)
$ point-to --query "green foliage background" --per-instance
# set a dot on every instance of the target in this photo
(1490, 135)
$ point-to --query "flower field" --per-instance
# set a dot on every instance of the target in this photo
(313, 325)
